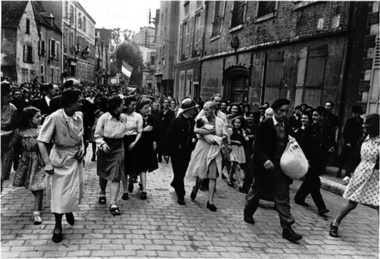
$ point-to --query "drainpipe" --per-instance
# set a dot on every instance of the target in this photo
(203, 46)
(342, 92)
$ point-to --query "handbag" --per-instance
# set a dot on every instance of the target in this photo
(293, 161)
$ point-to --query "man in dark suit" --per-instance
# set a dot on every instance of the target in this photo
(352, 132)
(179, 145)
(165, 117)
(43, 104)
(272, 136)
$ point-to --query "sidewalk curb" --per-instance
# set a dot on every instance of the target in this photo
(333, 187)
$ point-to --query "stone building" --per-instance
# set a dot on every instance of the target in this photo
(78, 40)
(166, 46)
(369, 87)
(19, 41)
(187, 67)
(255, 51)
(49, 45)
(103, 55)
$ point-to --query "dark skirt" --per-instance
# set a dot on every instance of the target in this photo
(110, 165)
(148, 162)
(133, 157)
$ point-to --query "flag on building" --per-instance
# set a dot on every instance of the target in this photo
(126, 69)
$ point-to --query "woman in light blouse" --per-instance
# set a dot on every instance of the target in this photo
(109, 135)
(134, 127)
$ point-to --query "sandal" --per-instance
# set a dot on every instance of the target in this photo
(115, 210)
(102, 198)
(36, 218)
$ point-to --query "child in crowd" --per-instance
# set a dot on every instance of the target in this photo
(31, 170)
(237, 156)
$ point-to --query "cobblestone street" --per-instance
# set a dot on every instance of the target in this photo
(159, 227)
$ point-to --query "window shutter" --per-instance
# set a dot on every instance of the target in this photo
(191, 40)
(200, 35)
(39, 48)
(43, 48)
(29, 54)
(24, 54)
(57, 50)
(187, 39)
(180, 51)
(301, 72)
(316, 63)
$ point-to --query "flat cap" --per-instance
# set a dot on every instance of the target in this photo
(279, 102)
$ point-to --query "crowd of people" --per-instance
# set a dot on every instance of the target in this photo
(46, 139)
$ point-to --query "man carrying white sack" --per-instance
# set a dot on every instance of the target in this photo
(272, 136)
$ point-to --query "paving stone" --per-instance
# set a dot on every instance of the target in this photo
(159, 227)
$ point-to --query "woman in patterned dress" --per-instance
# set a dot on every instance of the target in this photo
(30, 172)
(8, 124)
(364, 185)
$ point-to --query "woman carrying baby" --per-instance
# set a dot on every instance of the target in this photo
(206, 158)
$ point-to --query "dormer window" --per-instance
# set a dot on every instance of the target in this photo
(27, 29)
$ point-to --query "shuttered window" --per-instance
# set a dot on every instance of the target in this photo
(28, 54)
(218, 18)
(238, 13)
(274, 74)
(311, 75)
(373, 105)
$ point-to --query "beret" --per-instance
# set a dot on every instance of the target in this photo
(279, 102)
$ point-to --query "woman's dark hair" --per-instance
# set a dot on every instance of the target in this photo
(129, 99)
(69, 97)
(309, 116)
(238, 107)
(372, 124)
(247, 106)
(242, 121)
(114, 103)
(143, 102)
(5, 88)
(26, 116)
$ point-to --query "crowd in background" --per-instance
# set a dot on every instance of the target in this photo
(129, 138)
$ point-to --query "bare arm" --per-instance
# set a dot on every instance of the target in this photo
(43, 147)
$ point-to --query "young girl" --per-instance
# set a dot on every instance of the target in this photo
(237, 155)
(30, 172)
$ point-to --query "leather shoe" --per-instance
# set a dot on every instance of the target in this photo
(211, 207)
(249, 219)
(289, 234)
(130, 186)
(143, 196)
(193, 194)
(333, 231)
(322, 212)
(181, 201)
(302, 203)
(70, 218)
(57, 237)
(125, 196)
(242, 190)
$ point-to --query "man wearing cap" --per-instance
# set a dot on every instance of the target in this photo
(179, 144)
(351, 133)
(272, 136)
